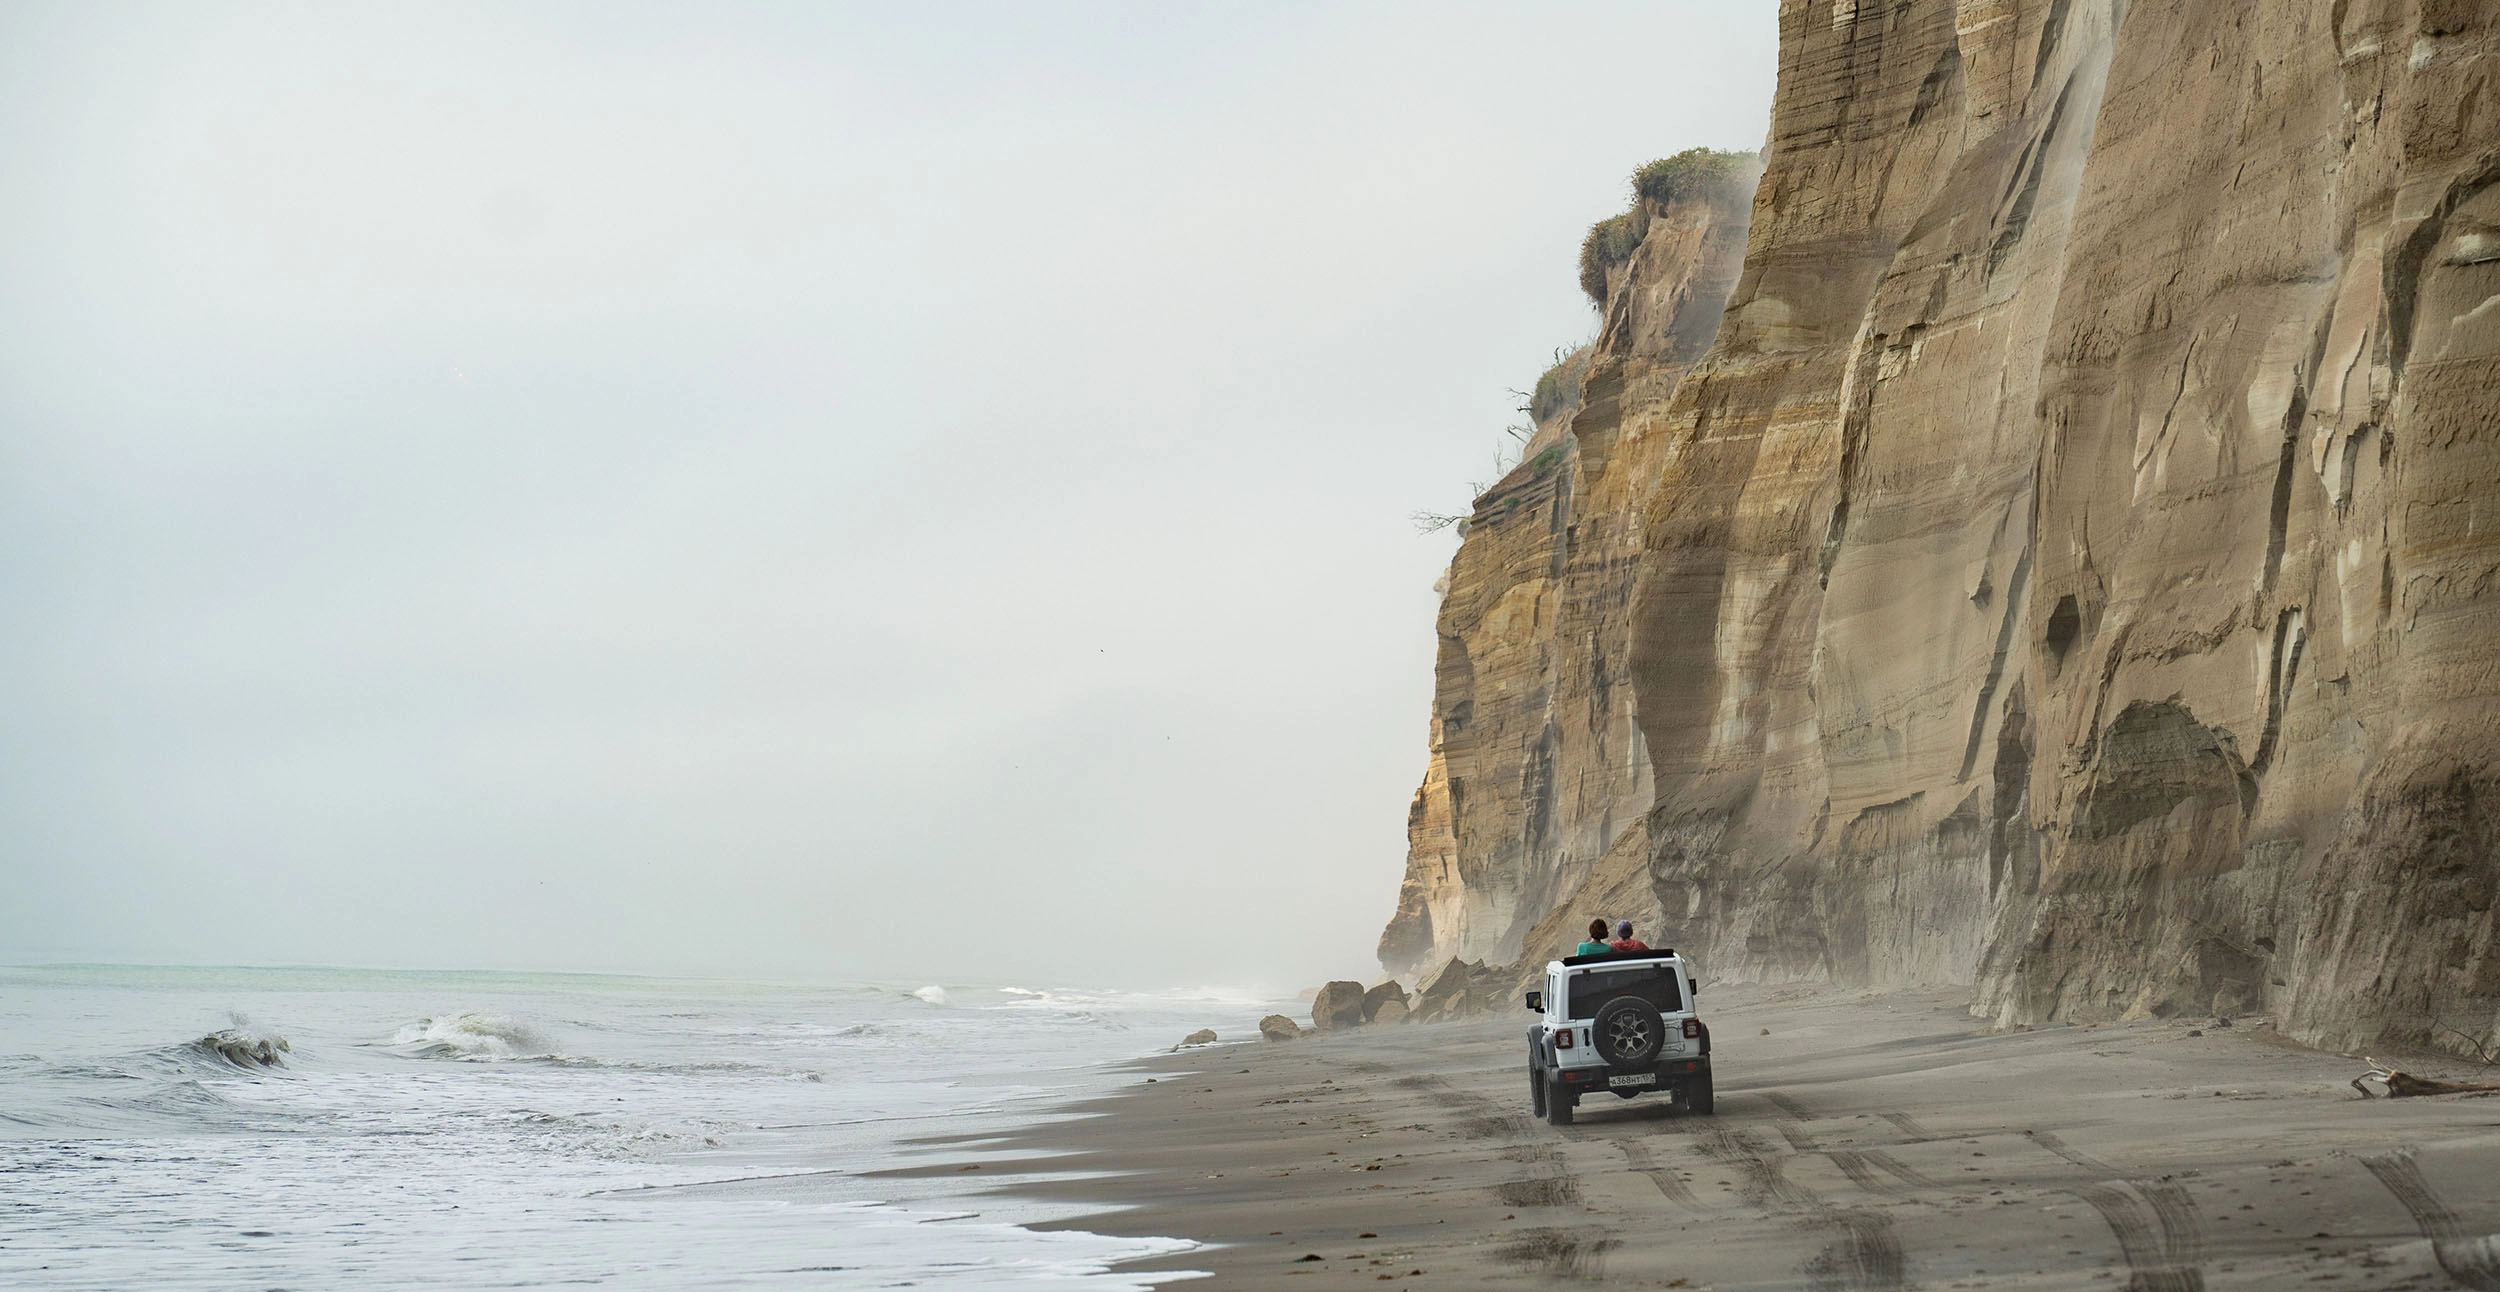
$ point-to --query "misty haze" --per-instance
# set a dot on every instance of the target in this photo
(1798, 645)
(764, 490)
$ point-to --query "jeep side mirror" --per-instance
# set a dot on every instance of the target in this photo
(1697, 986)
(1536, 1002)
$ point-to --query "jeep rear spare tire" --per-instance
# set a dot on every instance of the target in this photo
(1628, 1031)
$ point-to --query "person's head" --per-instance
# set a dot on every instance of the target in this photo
(1597, 930)
(1623, 928)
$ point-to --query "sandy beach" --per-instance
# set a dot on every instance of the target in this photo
(1862, 1141)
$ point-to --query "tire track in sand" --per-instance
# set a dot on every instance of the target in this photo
(2159, 1233)
(1854, 1165)
(1789, 1106)
(2049, 1140)
(1867, 1255)
(1478, 1117)
(1564, 1253)
(1637, 1156)
(1758, 1169)
(2469, 1260)
(1555, 1185)
(1864, 1256)
(1878, 1158)
(1860, 1165)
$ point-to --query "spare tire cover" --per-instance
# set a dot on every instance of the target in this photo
(1627, 1031)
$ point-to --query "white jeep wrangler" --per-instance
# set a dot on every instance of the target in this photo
(1624, 1023)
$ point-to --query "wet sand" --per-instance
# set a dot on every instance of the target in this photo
(1868, 1141)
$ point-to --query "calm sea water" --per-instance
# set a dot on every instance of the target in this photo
(311, 1129)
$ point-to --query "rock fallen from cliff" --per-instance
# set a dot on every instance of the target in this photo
(1462, 989)
(1338, 1005)
(1441, 991)
(1203, 1036)
(1277, 1027)
(1383, 994)
(1391, 1011)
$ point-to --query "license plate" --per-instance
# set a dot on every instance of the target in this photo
(1634, 1079)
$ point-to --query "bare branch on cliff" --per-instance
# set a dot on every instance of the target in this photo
(1433, 522)
(2482, 1053)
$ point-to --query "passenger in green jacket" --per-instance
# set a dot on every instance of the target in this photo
(1596, 945)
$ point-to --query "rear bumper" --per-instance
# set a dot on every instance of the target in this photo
(1670, 1073)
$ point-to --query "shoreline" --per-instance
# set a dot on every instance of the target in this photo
(1864, 1140)
(605, 1130)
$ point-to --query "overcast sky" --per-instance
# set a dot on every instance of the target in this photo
(769, 490)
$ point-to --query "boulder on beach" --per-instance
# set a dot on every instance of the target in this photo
(1391, 1011)
(1380, 995)
(1460, 989)
(1338, 1005)
(1277, 1027)
(1200, 1037)
(1439, 991)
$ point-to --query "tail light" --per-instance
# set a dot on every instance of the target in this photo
(1692, 1029)
(1562, 1039)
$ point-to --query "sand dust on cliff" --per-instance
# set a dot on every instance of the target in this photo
(1864, 1141)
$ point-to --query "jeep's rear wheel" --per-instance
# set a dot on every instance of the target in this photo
(1558, 1103)
(1536, 1090)
(1699, 1097)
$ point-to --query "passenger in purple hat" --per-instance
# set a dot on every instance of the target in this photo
(1624, 941)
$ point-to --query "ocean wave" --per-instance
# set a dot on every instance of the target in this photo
(178, 1086)
(933, 994)
(682, 1067)
(1028, 996)
(619, 1138)
(241, 1047)
(473, 1037)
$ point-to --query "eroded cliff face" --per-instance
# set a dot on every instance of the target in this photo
(1538, 769)
(2074, 567)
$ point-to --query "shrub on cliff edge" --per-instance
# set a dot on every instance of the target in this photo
(1696, 172)
(1558, 387)
(1704, 173)
(1610, 242)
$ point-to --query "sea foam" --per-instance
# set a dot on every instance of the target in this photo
(472, 1036)
(620, 1132)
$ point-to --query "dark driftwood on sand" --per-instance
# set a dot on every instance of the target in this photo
(2404, 1084)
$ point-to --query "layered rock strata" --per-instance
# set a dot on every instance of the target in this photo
(2074, 567)
(1538, 769)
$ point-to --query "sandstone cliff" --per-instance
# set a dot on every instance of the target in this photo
(2073, 568)
(1538, 768)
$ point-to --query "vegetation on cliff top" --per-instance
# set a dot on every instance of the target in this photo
(1695, 173)
(1558, 387)
(1706, 174)
(1611, 242)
